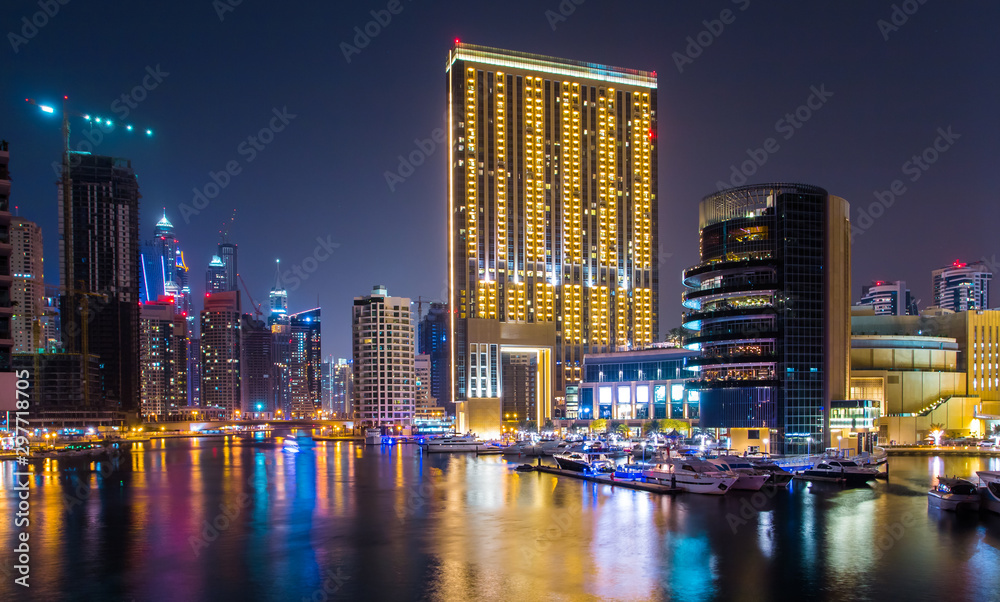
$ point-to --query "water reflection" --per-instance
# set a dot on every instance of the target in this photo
(232, 518)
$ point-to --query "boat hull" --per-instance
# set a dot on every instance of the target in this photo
(953, 502)
(691, 483)
(750, 482)
(851, 478)
(570, 464)
(454, 447)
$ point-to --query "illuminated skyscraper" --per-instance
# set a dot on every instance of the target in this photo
(305, 365)
(552, 220)
(227, 253)
(889, 298)
(770, 312)
(215, 276)
(28, 292)
(384, 382)
(220, 352)
(7, 380)
(163, 363)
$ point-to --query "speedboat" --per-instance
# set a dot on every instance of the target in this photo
(290, 445)
(954, 494)
(583, 462)
(691, 475)
(750, 478)
(842, 470)
(779, 476)
(454, 444)
(990, 492)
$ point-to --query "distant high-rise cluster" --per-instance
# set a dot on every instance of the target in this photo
(28, 292)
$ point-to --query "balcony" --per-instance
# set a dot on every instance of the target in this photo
(693, 276)
(692, 319)
(763, 358)
(731, 383)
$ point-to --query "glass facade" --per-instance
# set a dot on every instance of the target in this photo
(758, 306)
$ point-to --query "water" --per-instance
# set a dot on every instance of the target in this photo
(390, 524)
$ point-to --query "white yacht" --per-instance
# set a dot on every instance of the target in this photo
(373, 436)
(691, 475)
(990, 492)
(750, 478)
(954, 494)
(454, 444)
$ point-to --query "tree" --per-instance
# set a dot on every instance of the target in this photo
(623, 430)
(937, 429)
(549, 425)
(996, 430)
(599, 426)
(650, 427)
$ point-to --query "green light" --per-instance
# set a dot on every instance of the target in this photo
(149, 132)
(128, 127)
(108, 122)
(87, 117)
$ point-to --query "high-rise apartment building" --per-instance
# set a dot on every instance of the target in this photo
(343, 387)
(306, 358)
(255, 367)
(7, 380)
(552, 220)
(101, 271)
(962, 286)
(215, 276)
(162, 359)
(221, 352)
(432, 339)
(227, 253)
(889, 298)
(28, 292)
(770, 308)
(383, 343)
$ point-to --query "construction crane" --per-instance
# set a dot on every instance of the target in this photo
(67, 192)
(420, 307)
(224, 232)
(256, 306)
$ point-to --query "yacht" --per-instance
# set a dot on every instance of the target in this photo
(991, 489)
(779, 476)
(583, 462)
(750, 478)
(842, 470)
(373, 437)
(454, 444)
(691, 475)
(954, 494)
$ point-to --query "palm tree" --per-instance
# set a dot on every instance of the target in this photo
(650, 427)
(937, 429)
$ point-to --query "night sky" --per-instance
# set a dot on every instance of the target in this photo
(323, 176)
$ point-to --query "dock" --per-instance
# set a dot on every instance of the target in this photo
(606, 480)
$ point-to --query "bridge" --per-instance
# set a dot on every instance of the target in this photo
(204, 425)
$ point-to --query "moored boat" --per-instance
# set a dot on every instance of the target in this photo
(454, 444)
(779, 476)
(691, 475)
(749, 478)
(583, 462)
(373, 436)
(954, 494)
(841, 470)
(990, 491)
